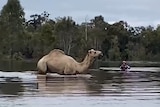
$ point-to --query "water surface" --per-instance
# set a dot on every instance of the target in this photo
(102, 88)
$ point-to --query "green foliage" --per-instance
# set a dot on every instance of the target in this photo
(66, 32)
(97, 32)
(114, 53)
(21, 39)
(12, 20)
(38, 20)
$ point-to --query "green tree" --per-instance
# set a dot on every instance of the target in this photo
(136, 51)
(97, 32)
(66, 33)
(114, 52)
(150, 40)
(12, 20)
(47, 38)
(39, 35)
(39, 42)
(37, 20)
(120, 30)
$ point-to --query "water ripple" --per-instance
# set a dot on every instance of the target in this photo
(102, 88)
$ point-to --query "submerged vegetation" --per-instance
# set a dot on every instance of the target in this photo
(27, 39)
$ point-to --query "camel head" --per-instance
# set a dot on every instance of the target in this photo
(94, 53)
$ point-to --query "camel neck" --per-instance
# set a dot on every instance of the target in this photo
(84, 65)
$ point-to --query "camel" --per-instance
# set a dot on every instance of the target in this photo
(58, 62)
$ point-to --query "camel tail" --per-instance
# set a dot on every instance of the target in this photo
(42, 66)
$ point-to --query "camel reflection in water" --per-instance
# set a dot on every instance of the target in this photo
(100, 83)
(67, 85)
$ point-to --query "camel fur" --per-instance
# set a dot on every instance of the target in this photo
(58, 62)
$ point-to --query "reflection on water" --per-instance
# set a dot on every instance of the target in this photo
(12, 65)
(102, 89)
(68, 86)
(9, 86)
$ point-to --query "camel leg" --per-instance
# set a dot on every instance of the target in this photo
(66, 70)
(42, 67)
(41, 72)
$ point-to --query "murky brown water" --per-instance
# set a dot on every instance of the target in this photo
(103, 89)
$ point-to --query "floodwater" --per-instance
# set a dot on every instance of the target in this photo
(99, 89)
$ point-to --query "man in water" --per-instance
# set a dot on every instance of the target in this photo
(124, 66)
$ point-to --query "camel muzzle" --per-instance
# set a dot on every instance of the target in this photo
(100, 56)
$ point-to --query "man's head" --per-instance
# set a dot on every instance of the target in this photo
(124, 62)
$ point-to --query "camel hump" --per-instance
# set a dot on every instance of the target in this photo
(57, 51)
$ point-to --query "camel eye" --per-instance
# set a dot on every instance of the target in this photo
(94, 52)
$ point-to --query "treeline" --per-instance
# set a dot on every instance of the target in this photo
(23, 39)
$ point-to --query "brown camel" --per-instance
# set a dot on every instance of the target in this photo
(56, 61)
